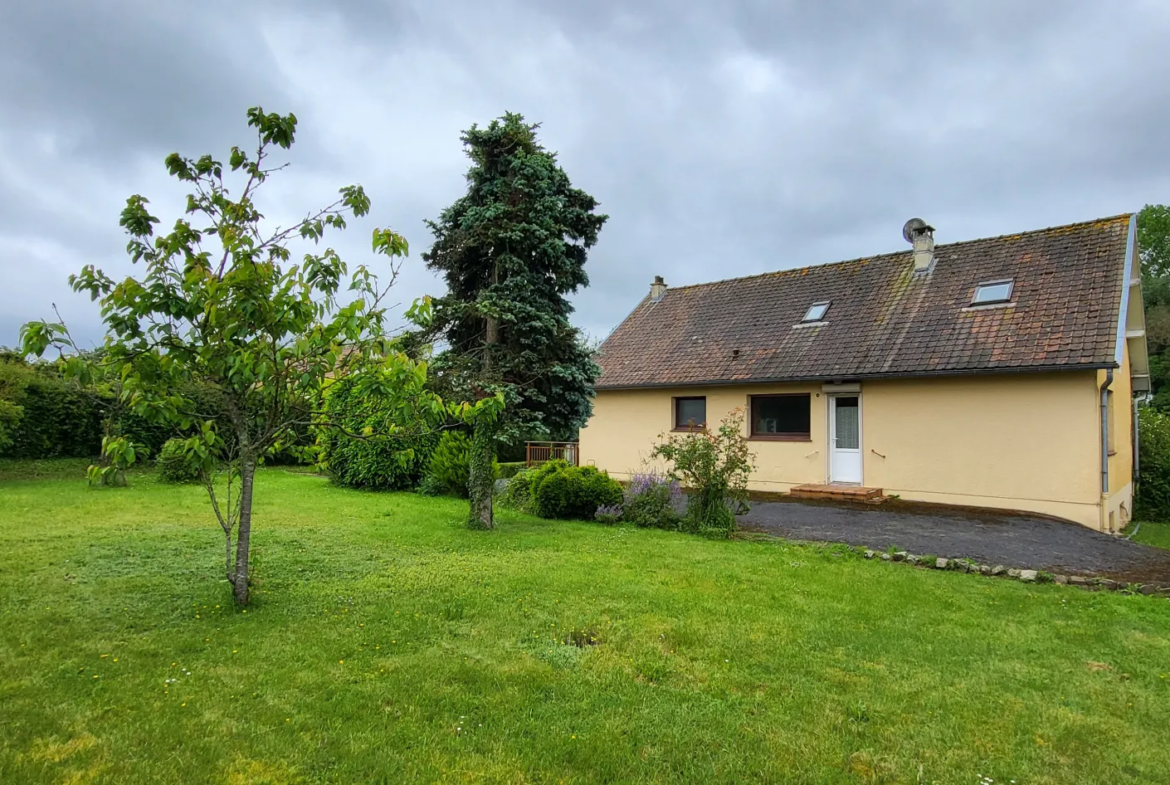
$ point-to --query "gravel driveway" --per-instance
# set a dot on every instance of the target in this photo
(1022, 541)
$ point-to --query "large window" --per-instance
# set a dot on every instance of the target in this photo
(690, 413)
(784, 417)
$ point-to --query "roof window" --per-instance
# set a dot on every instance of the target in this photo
(815, 312)
(991, 292)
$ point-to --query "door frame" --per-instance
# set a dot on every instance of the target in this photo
(830, 427)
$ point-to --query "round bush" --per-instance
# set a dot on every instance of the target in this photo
(576, 493)
(175, 465)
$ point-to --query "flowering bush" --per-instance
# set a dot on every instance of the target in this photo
(609, 513)
(715, 466)
(652, 500)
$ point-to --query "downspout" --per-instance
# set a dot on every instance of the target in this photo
(1137, 442)
(1105, 432)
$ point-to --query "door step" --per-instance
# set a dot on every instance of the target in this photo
(841, 493)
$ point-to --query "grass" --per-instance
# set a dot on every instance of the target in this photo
(387, 643)
(1156, 534)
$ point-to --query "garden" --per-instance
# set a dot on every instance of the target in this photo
(386, 641)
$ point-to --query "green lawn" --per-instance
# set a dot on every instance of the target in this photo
(389, 644)
(1157, 534)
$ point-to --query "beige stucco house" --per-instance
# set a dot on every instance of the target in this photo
(997, 373)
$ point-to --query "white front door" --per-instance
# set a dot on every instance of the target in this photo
(845, 438)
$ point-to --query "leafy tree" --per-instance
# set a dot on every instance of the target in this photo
(14, 379)
(220, 305)
(1154, 244)
(511, 250)
(1154, 239)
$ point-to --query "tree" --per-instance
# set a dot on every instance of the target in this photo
(1154, 240)
(1154, 245)
(511, 250)
(220, 306)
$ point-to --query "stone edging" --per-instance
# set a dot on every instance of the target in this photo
(1024, 576)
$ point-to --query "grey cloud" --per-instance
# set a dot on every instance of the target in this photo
(723, 139)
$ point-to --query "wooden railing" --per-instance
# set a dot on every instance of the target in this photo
(538, 452)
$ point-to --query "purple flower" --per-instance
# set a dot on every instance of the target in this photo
(609, 513)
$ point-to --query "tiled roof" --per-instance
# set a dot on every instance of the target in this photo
(885, 320)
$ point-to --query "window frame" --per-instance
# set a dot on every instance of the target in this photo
(826, 303)
(1011, 289)
(778, 437)
(674, 424)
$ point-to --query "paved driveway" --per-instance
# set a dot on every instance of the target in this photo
(1021, 541)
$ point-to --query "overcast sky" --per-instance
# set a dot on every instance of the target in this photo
(723, 139)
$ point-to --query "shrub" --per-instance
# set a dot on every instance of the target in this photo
(509, 470)
(377, 461)
(609, 513)
(1153, 487)
(576, 493)
(175, 464)
(716, 467)
(449, 470)
(651, 500)
(520, 495)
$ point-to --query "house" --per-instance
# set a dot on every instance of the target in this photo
(996, 373)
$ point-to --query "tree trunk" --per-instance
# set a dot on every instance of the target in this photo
(482, 482)
(244, 531)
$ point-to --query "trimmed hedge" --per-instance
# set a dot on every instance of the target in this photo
(507, 471)
(376, 463)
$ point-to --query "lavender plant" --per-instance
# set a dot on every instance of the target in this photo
(652, 500)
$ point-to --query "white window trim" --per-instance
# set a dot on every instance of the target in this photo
(1011, 285)
(821, 318)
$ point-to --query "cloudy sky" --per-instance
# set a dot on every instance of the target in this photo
(722, 139)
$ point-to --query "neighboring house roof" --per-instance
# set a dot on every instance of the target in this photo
(885, 320)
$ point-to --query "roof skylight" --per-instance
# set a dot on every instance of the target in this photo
(815, 312)
(993, 292)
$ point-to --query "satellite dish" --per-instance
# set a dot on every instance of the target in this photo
(915, 227)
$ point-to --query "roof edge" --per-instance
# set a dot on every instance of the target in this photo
(862, 376)
(1126, 274)
(940, 247)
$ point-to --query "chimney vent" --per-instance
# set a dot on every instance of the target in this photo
(920, 234)
(657, 289)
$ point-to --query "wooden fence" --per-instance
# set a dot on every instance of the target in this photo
(538, 452)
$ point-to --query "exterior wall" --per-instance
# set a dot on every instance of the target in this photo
(626, 425)
(1117, 507)
(1022, 442)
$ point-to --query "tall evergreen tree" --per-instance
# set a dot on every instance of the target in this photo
(511, 250)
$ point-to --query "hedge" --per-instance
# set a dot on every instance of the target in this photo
(375, 463)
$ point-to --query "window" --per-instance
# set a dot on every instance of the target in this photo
(992, 292)
(781, 417)
(690, 413)
(815, 312)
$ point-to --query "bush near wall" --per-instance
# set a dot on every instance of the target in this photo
(377, 463)
(1153, 486)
